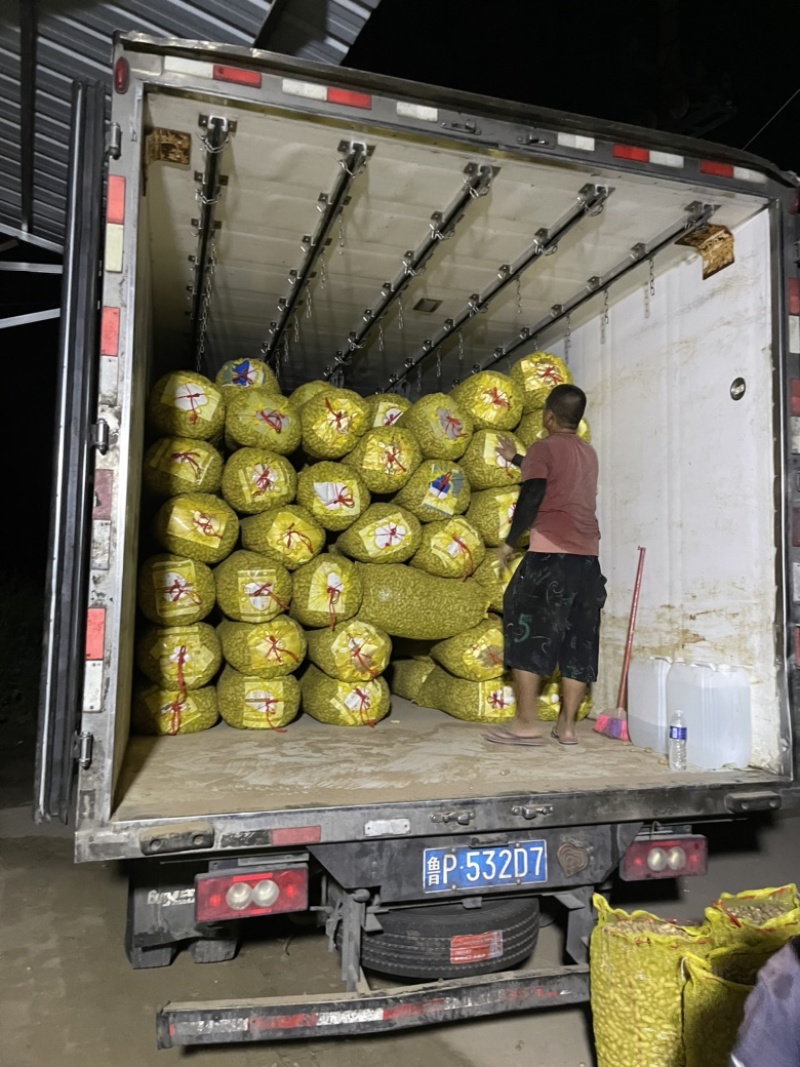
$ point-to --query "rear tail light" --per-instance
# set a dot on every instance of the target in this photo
(122, 75)
(242, 896)
(674, 857)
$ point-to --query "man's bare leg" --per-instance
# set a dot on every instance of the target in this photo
(526, 718)
(572, 693)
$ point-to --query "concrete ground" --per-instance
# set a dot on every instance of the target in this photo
(69, 997)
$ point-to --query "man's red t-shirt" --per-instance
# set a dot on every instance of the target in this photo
(566, 520)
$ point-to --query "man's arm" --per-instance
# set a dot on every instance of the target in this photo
(531, 494)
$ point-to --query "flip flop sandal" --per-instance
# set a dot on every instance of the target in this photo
(555, 736)
(506, 737)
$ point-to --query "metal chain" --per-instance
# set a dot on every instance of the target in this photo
(381, 342)
(460, 354)
(296, 330)
(208, 286)
(652, 277)
(308, 303)
(568, 339)
(604, 318)
(438, 367)
(400, 320)
(419, 379)
(341, 235)
(323, 273)
(519, 294)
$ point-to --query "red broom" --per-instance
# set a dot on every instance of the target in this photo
(610, 723)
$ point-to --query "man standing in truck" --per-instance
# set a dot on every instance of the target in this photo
(551, 609)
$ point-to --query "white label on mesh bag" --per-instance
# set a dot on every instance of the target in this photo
(334, 495)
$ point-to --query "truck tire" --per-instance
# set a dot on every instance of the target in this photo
(449, 940)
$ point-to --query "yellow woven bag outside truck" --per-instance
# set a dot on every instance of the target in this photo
(637, 986)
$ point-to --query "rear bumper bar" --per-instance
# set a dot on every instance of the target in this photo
(345, 1014)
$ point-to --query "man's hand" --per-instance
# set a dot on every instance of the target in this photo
(505, 554)
(506, 448)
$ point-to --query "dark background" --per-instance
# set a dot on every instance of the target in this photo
(690, 68)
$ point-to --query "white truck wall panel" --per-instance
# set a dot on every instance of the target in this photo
(688, 472)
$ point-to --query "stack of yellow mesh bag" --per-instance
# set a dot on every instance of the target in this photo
(294, 538)
(665, 995)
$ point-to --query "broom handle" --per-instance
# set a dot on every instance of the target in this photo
(626, 662)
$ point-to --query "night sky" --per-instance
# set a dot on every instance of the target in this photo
(692, 68)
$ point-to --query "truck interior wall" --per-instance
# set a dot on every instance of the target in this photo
(688, 472)
(133, 390)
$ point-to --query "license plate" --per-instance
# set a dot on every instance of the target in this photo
(523, 863)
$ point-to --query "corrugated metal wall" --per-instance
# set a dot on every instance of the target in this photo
(74, 42)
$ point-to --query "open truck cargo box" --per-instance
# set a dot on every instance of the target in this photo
(254, 204)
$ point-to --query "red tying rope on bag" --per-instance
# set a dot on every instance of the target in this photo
(391, 417)
(338, 416)
(500, 400)
(178, 589)
(363, 706)
(205, 524)
(265, 705)
(301, 537)
(345, 498)
(188, 457)
(192, 398)
(469, 562)
(182, 650)
(175, 709)
(392, 460)
(452, 427)
(363, 662)
(267, 590)
(274, 648)
(273, 419)
(334, 595)
(497, 701)
(549, 374)
(264, 481)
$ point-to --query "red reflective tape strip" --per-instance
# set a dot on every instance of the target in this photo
(236, 74)
(283, 1022)
(471, 948)
(349, 99)
(103, 490)
(109, 332)
(115, 199)
(627, 151)
(794, 296)
(721, 170)
(297, 835)
(95, 632)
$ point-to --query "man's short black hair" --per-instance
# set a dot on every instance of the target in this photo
(567, 403)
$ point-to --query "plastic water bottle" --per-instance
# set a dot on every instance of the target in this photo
(677, 742)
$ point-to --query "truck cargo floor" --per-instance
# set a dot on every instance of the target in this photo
(412, 755)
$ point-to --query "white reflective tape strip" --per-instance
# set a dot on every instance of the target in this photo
(666, 159)
(340, 1018)
(795, 429)
(794, 334)
(114, 235)
(93, 685)
(307, 89)
(576, 140)
(101, 544)
(417, 111)
(744, 174)
(109, 379)
(178, 65)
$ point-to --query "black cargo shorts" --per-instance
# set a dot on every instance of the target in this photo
(551, 615)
